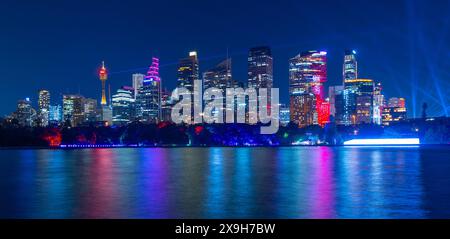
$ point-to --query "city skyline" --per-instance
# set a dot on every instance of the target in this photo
(60, 75)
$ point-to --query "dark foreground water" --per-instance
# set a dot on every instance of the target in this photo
(316, 182)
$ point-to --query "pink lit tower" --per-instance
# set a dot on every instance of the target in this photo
(148, 100)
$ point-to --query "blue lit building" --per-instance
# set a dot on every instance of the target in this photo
(122, 106)
(55, 115)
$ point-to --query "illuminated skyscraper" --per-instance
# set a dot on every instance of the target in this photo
(44, 107)
(219, 76)
(260, 68)
(91, 112)
(284, 115)
(361, 94)
(25, 114)
(350, 69)
(55, 115)
(307, 74)
(345, 105)
(188, 72)
(138, 82)
(303, 110)
(334, 91)
(103, 75)
(260, 72)
(166, 106)
(148, 100)
(122, 106)
(357, 97)
(395, 111)
(73, 109)
(378, 103)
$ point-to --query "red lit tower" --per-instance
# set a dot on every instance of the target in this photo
(103, 75)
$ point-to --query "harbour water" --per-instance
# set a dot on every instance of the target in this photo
(289, 182)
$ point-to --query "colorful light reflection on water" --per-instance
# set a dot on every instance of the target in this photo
(312, 182)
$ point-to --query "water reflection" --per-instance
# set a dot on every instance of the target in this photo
(316, 182)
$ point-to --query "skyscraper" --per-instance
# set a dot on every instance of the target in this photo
(333, 91)
(148, 100)
(307, 74)
(44, 107)
(218, 76)
(91, 112)
(138, 82)
(166, 106)
(345, 105)
(347, 113)
(284, 115)
(73, 109)
(260, 74)
(362, 94)
(25, 114)
(122, 106)
(260, 68)
(303, 110)
(350, 68)
(55, 114)
(378, 104)
(188, 72)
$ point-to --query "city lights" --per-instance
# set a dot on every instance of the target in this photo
(380, 142)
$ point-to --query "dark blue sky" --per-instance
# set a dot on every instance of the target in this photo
(58, 45)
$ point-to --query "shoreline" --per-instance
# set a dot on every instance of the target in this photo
(250, 147)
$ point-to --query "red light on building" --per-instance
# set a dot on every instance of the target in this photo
(323, 111)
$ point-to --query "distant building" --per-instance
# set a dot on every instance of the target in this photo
(91, 111)
(345, 105)
(148, 100)
(25, 114)
(260, 71)
(378, 104)
(43, 107)
(284, 115)
(106, 115)
(396, 102)
(395, 111)
(307, 74)
(138, 82)
(260, 68)
(347, 113)
(219, 76)
(73, 109)
(188, 72)
(166, 106)
(362, 93)
(333, 91)
(303, 111)
(122, 106)
(55, 115)
(350, 68)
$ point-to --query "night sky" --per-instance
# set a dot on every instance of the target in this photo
(58, 45)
